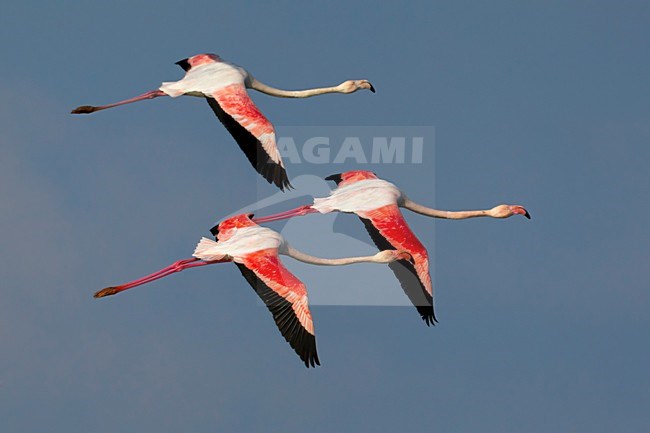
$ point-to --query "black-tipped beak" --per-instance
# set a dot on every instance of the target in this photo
(527, 215)
(372, 89)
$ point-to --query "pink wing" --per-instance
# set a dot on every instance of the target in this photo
(286, 298)
(389, 230)
(251, 130)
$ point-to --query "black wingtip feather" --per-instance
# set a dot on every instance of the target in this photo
(407, 276)
(270, 170)
(185, 64)
(335, 177)
(302, 342)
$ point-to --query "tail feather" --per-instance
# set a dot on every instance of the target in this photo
(206, 250)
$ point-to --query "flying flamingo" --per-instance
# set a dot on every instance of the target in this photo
(255, 250)
(376, 202)
(224, 86)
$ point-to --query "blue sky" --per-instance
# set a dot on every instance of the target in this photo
(543, 323)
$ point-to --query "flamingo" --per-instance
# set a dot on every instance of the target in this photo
(255, 250)
(376, 202)
(224, 86)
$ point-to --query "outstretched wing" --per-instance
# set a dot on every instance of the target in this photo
(389, 230)
(336, 178)
(286, 297)
(251, 130)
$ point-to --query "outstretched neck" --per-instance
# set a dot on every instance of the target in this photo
(261, 87)
(306, 258)
(435, 213)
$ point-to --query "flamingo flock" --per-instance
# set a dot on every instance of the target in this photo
(255, 249)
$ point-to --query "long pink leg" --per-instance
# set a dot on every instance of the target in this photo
(87, 109)
(168, 270)
(299, 211)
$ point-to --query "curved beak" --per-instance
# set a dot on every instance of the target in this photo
(520, 210)
(405, 255)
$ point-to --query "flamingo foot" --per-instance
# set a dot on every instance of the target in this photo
(84, 109)
(108, 291)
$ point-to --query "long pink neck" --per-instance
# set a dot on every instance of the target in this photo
(261, 87)
(168, 270)
(435, 213)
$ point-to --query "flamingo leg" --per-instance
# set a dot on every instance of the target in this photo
(87, 109)
(168, 270)
(299, 211)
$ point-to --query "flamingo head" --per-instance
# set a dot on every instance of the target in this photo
(352, 86)
(389, 256)
(506, 210)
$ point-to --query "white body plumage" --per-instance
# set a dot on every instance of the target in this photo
(205, 79)
(243, 241)
(364, 195)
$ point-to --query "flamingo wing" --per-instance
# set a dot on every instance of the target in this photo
(251, 130)
(388, 230)
(286, 297)
(185, 64)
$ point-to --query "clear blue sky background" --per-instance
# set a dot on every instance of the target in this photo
(543, 324)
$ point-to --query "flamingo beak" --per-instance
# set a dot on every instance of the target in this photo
(520, 210)
(372, 89)
(405, 255)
